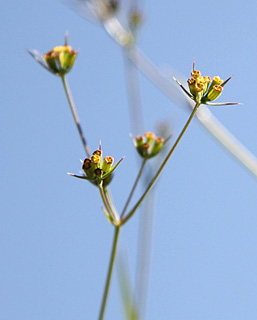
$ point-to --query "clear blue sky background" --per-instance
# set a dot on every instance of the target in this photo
(54, 239)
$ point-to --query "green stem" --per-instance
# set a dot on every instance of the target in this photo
(110, 271)
(133, 188)
(161, 167)
(104, 195)
(75, 115)
(108, 203)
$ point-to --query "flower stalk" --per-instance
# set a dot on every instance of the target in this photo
(133, 188)
(110, 271)
(74, 114)
(130, 214)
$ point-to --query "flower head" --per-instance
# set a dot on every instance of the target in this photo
(148, 145)
(96, 169)
(58, 60)
(203, 89)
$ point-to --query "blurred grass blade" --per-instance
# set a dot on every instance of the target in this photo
(126, 292)
(83, 8)
(219, 132)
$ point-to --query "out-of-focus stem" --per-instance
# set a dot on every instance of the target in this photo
(135, 108)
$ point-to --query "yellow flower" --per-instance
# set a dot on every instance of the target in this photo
(58, 60)
(203, 90)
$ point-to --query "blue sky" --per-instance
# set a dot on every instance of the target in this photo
(55, 240)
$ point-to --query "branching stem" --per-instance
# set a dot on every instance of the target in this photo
(129, 215)
(133, 188)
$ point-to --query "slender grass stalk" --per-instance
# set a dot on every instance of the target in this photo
(161, 167)
(133, 188)
(75, 115)
(110, 271)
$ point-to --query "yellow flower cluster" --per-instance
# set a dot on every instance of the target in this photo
(148, 145)
(203, 88)
(60, 59)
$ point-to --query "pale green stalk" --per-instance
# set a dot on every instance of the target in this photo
(110, 209)
(103, 191)
(161, 167)
(110, 271)
(108, 204)
(74, 114)
(106, 198)
(133, 188)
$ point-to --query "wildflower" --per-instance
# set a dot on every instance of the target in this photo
(203, 89)
(58, 60)
(148, 145)
(97, 170)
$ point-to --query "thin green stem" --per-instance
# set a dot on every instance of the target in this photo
(110, 271)
(133, 188)
(104, 195)
(75, 115)
(161, 167)
(109, 199)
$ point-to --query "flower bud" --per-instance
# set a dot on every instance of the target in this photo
(139, 141)
(149, 137)
(195, 74)
(148, 145)
(98, 153)
(60, 59)
(96, 170)
(107, 164)
(95, 161)
(215, 92)
(157, 146)
(87, 168)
